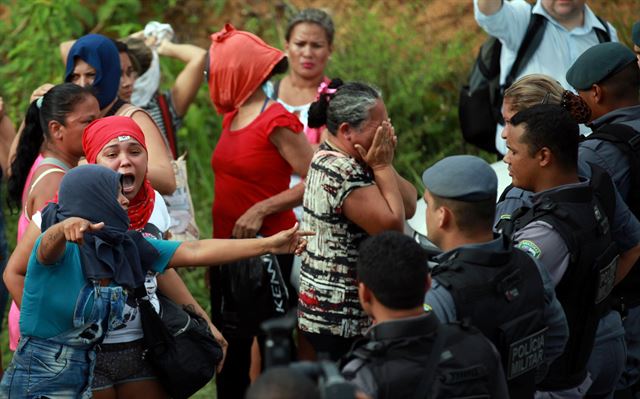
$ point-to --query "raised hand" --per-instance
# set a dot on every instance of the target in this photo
(40, 91)
(382, 150)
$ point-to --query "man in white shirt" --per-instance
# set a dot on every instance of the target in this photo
(569, 30)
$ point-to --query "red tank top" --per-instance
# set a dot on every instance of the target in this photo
(248, 169)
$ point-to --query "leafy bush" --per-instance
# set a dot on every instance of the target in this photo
(32, 32)
(419, 86)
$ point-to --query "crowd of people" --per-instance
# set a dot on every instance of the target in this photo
(527, 293)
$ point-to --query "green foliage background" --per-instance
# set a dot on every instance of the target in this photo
(419, 79)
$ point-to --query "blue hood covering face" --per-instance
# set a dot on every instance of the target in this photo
(102, 54)
(91, 192)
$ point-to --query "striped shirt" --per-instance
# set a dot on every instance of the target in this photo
(328, 300)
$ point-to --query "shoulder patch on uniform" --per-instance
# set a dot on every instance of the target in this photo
(529, 247)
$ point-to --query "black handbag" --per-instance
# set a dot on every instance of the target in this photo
(180, 347)
(254, 291)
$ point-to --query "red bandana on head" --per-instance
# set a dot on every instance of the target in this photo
(238, 64)
(96, 136)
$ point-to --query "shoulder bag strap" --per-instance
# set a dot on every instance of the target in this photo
(530, 43)
(168, 125)
(603, 35)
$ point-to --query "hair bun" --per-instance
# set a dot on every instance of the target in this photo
(576, 106)
(318, 109)
(336, 83)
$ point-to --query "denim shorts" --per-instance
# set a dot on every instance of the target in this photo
(43, 368)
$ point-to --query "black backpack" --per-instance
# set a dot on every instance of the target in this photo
(480, 102)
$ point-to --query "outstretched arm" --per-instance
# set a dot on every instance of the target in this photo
(217, 252)
(295, 149)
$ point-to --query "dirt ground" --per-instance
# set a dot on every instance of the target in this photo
(439, 20)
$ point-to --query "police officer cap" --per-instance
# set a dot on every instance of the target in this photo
(635, 33)
(462, 177)
(598, 63)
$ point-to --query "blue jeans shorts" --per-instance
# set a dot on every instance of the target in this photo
(41, 368)
(62, 366)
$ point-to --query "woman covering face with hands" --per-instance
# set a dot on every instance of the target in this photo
(352, 191)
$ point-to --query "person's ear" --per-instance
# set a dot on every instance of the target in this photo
(544, 156)
(445, 217)
(365, 297)
(55, 129)
(597, 94)
(345, 130)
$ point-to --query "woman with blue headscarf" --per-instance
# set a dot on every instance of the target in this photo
(79, 273)
(93, 60)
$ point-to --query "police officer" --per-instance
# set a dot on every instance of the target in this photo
(480, 277)
(408, 353)
(608, 80)
(567, 229)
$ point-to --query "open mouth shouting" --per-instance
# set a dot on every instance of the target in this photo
(128, 183)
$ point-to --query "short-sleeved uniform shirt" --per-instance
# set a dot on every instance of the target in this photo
(51, 291)
(328, 296)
